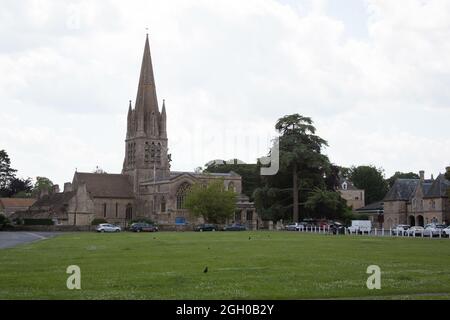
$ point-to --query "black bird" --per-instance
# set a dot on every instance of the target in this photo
(249, 238)
(206, 270)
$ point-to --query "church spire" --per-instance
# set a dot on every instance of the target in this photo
(146, 100)
(163, 132)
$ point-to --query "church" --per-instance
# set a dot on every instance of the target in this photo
(146, 188)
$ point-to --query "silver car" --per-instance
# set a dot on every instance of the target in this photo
(106, 227)
(433, 230)
(415, 231)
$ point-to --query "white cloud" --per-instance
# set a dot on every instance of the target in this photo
(228, 70)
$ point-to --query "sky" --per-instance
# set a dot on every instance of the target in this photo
(374, 75)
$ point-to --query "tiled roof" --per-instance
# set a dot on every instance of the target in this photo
(439, 188)
(373, 206)
(55, 200)
(402, 190)
(17, 202)
(102, 185)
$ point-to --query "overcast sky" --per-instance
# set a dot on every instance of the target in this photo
(373, 74)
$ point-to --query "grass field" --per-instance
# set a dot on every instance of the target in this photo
(269, 265)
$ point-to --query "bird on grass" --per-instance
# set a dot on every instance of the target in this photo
(206, 270)
(249, 238)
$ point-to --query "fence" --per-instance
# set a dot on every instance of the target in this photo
(374, 232)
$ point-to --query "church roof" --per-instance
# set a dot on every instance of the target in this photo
(103, 185)
(229, 174)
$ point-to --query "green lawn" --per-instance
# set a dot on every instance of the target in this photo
(270, 265)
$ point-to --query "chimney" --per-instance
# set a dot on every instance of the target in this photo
(55, 188)
(67, 187)
(422, 175)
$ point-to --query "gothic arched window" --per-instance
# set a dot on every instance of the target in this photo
(231, 187)
(129, 212)
(181, 194)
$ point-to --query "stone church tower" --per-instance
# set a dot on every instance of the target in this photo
(146, 188)
(146, 157)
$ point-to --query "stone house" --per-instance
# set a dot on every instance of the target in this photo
(417, 202)
(354, 196)
(9, 206)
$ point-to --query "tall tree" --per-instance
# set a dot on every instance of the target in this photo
(42, 184)
(20, 188)
(212, 202)
(332, 177)
(300, 151)
(326, 204)
(371, 180)
(401, 175)
(7, 173)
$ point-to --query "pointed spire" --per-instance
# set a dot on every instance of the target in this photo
(146, 100)
(163, 127)
(163, 111)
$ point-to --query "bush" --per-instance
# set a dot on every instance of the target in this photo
(98, 221)
(4, 222)
(18, 221)
(38, 222)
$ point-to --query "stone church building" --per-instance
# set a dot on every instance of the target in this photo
(146, 188)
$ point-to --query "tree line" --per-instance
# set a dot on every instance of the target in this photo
(13, 187)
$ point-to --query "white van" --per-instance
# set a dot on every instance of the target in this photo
(360, 226)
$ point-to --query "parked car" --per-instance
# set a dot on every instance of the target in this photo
(143, 227)
(440, 229)
(433, 230)
(297, 226)
(415, 231)
(400, 230)
(446, 232)
(206, 227)
(106, 227)
(235, 227)
(336, 228)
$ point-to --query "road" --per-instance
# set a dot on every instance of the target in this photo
(12, 239)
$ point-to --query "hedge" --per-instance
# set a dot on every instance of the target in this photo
(38, 222)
